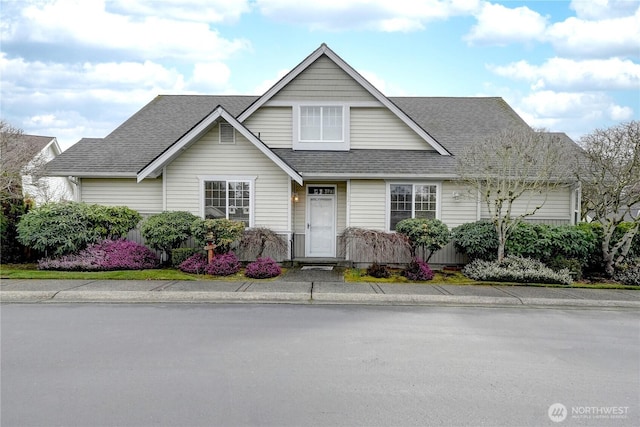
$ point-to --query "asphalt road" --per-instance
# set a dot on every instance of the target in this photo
(206, 365)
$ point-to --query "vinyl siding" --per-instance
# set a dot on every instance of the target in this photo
(273, 125)
(456, 212)
(556, 208)
(207, 157)
(368, 204)
(323, 80)
(379, 128)
(144, 197)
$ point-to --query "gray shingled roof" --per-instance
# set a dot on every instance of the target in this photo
(368, 163)
(144, 136)
(453, 122)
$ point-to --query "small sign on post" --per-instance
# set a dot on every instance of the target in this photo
(210, 248)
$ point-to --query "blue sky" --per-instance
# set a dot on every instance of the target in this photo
(79, 68)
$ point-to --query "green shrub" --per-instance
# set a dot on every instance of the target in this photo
(68, 227)
(516, 269)
(379, 271)
(546, 243)
(432, 234)
(11, 210)
(478, 240)
(573, 265)
(221, 231)
(179, 255)
(112, 222)
(167, 230)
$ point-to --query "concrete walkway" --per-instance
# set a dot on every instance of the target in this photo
(305, 287)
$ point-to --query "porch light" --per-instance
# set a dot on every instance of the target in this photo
(295, 197)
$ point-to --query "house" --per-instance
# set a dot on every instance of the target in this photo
(31, 153)
(320, 151)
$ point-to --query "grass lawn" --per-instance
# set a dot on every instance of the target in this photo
(353, 275)
(443, 277)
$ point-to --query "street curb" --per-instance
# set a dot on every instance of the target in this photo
(126, 297)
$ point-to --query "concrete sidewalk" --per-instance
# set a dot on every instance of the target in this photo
(305, 292)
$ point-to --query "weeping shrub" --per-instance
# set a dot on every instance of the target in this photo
(256, 242)
(262, 268)
(376, 246)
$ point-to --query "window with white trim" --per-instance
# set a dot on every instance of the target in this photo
(228, 199)
(321, 124)
(412, 201)
(227, 134)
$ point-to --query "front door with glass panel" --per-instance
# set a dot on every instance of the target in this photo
(321, 221)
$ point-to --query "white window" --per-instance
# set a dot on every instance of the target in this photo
(227, 134)
(321, 123)
(412, 201)
(228, 199)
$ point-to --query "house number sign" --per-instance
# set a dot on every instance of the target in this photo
(321, 190)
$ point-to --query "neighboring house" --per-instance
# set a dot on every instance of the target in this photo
(320, 151)
(33, 152)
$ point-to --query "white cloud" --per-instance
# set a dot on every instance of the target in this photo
(619, 36)
(500, 25)
(209, 77)
(568, 74)
(570, 112)
(265, 85)
(378, 15)
(218, 11)
(602, 9)
(90, 25)
(602, 28)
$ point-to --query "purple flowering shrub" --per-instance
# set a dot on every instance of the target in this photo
(262, 268)
(195, 264)
(118, 254)
(223, 265)
(418, 270)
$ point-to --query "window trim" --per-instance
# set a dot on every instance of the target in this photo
(229, 178)
(413, 184)
(336, 145)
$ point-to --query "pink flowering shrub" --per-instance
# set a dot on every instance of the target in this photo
(418, 270)
(262, 268)
(106, 255)
(223, 265)
(195, 264)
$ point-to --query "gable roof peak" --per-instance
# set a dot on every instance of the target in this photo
(325, 50)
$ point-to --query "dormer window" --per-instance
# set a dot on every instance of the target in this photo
(319, 123)
(321, 127)
(227, 133)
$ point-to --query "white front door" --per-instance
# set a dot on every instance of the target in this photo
(321, 222)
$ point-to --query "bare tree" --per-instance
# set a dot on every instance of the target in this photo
(517, 164)
(610, 177)
(17, 159)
